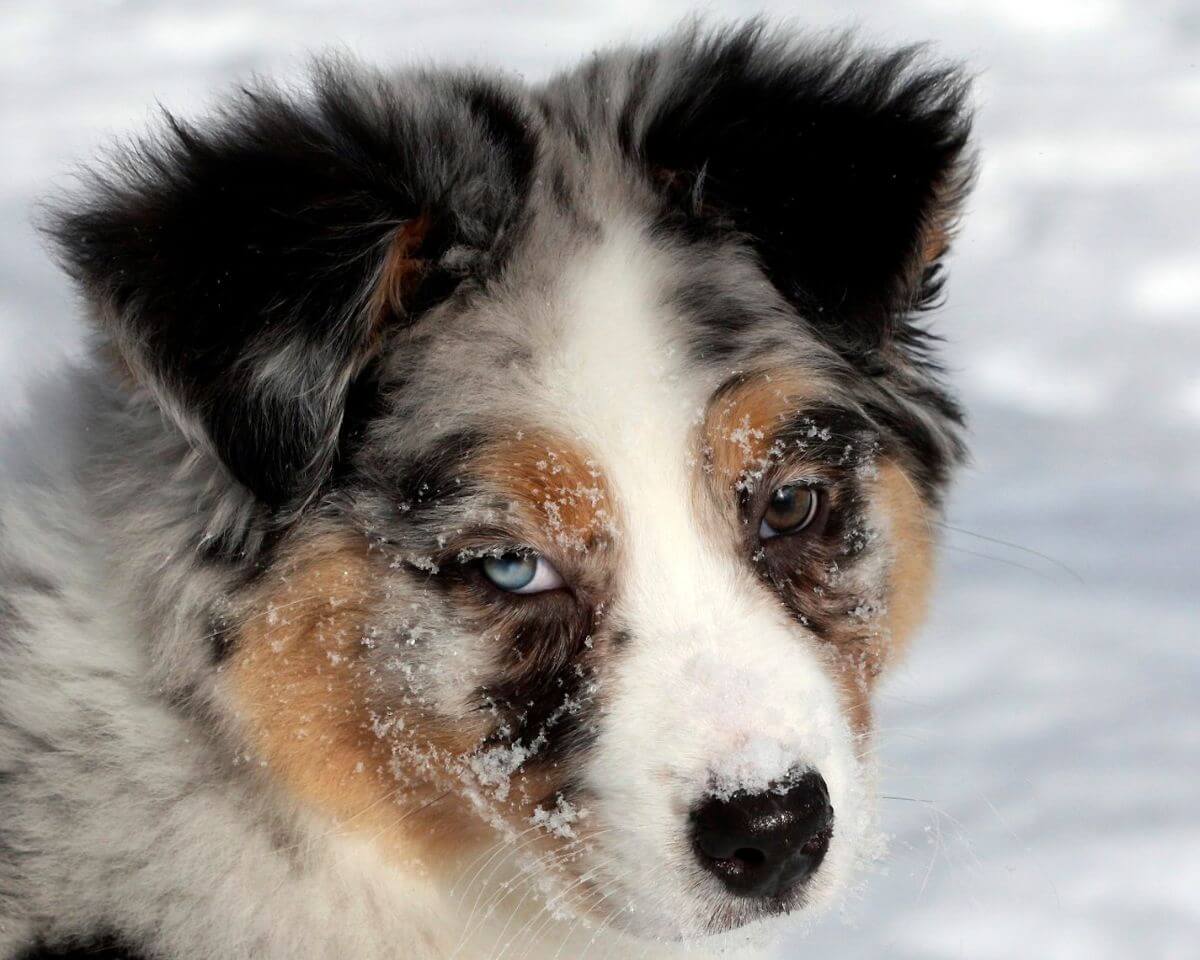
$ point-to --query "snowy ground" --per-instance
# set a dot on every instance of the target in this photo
(1046, 732)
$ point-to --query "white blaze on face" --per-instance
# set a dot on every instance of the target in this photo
(718, 688)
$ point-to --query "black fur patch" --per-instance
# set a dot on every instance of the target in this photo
(720, 319)
(233, 263)
(929, 454)
(433, 478)
(104, 948)
(832, 163)
(220, 637)
(541, 693)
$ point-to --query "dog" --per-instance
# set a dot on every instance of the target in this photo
(484, 512)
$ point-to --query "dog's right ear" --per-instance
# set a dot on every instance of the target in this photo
(246, 270)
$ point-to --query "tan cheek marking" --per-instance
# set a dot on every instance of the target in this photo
(741, 421)
(557, 490)
(855, 669)
(860, 659)
(910, 580)
(298, 682)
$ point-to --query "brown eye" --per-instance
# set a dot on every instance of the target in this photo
(790, 509)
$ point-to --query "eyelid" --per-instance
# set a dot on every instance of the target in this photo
(810, 480)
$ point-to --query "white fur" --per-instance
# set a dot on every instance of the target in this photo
(720, 687)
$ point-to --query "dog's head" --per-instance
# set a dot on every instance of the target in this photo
(585, 444)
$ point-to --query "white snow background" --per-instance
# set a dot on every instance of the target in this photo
(1045, 733)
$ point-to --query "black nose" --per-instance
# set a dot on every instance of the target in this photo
(762, 844)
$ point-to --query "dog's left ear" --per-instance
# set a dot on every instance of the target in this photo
(246, 270)
(843, 169)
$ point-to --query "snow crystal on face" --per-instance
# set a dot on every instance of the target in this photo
(421, 562)
(559, 820)
(744, 436)
(384, 726)
(493, 768)
(762, 763)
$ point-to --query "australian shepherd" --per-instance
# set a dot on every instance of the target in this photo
(484, 512)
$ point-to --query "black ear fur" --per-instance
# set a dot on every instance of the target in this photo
(843, 168)
(244, 268)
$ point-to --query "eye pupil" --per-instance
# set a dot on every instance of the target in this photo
(511, 571)
(791, 508)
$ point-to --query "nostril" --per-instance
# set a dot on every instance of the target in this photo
(760, 844)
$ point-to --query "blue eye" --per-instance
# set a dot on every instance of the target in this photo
(522, 573)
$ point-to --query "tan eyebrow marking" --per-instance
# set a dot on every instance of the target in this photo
(556, 488)
(743, 417)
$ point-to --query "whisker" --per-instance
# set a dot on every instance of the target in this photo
(931, 522)
(472, 927)
(533, 875)
(272, 609)
(1015, 546)
(566, 897)
(555, 899)
(954, 548)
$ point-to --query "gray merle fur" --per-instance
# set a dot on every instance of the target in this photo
(230, 265)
